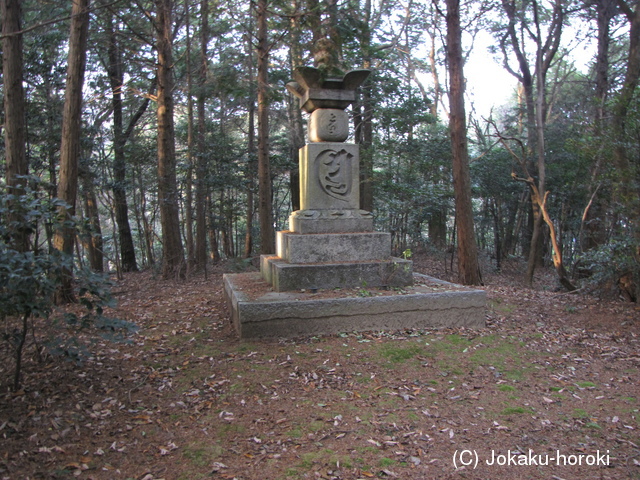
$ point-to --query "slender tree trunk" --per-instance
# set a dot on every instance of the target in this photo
(191, 254)
(173, 264)
(14, 120)
(202, 155)
(468, 267)
(366, 117)
(606, 9)
(535, 99)
(116, 79)
(64, 237)
(12, 71)
(497, 227)
(147, 225)
(93, 243)
(251, 161)
(437, 88)
(296, 131)
(264, 172)
(437, 227)
(212, 231)
(593, 224)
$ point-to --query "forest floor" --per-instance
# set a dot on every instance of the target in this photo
(553, 380)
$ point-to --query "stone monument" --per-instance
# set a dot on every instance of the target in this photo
(331, 245)
(330, 242)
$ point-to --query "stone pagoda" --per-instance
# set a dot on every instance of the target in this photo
(330, 242)
(331, 245)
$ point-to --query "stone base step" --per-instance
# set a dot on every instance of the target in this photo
(285, 276)
(256, 311)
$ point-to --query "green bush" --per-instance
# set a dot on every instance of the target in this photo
(30, 276)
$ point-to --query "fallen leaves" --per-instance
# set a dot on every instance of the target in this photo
(187, 398)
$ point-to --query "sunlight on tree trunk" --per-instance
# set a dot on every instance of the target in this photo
(70, 146)
(173, 264)
(468, 267)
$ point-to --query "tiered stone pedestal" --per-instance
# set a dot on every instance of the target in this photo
(331, 244)
(334, 260)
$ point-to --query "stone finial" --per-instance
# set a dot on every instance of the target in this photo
(315, 90)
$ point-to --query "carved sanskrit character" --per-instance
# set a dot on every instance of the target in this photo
(334, 173)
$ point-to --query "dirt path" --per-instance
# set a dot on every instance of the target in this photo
(551, 382)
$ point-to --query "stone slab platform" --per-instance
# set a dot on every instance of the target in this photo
(257, 311)
(285, 276)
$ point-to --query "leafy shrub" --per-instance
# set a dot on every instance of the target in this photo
(30, 277)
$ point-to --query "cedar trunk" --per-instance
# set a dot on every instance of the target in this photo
(188, 208)
(173, 264)
(251, 159)
(116, 80)
(264, 174)
(64, 237)
(14, 120)
(12, 65)
(468, 268)
(202, 155)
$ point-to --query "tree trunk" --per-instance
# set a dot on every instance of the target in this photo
(365, 110)
(437, 88)
(116, 79)
(296, 131)
(93, 242)
(14, 104)
(264, 172)
(147, 229)
(251, 159)
(212, 231)
(606, 10)
(468, 268)
(14, 108)
(202, 155)
(188, 208)
(64, 237)
(535, 98)
(437, 227)
(173, 264)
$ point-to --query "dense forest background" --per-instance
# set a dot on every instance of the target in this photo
(159, 134)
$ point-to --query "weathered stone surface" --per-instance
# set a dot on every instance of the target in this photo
(284, 276)
(333, 247)
(315, 91)
(294, 314)
(329, 176)
(331, 221)
(315, 98)
(328, 125)
(266, 270)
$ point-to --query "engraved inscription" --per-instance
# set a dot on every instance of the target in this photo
(332, 124)
(333, 170)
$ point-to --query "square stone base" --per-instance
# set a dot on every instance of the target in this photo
(285, 276)
(332, 247)
(257, 311)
